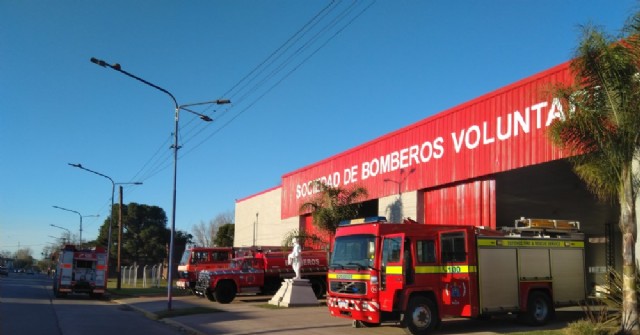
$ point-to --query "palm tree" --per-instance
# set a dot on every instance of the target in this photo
(333, 204)
(602, 133)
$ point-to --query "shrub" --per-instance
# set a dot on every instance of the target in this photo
(587, 327)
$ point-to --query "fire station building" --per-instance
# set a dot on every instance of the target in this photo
(486, 162)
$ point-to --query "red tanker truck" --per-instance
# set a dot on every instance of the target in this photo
(196, 259)
(261, 273)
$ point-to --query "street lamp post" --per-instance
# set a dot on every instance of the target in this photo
(177, 109)
(68, 231)
(81, 216)
(113, 188)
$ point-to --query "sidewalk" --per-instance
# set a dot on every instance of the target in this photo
(248, 315)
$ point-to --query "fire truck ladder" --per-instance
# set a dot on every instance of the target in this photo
(544, 228)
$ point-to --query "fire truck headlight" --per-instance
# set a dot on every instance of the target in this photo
(374, 280)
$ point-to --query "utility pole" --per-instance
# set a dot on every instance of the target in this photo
(119, 282)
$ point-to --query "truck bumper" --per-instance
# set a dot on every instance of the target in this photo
(354, 309)
(183, 284)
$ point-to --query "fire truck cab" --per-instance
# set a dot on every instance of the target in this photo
(198, 259)
(418, 274)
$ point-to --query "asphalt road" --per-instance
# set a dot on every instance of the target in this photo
(27, 307)
(247, 315)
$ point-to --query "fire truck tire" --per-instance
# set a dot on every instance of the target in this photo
(225, 292)
(319, 287)
(421, 316)
(539, 309)
(57, 294)
(209, 295)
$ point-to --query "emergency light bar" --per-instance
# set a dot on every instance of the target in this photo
(547, 224)
(369, 219)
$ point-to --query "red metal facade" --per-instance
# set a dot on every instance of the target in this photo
(326, 239)
(471, 203)
(500, 131)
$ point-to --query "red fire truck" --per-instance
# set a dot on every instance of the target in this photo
(198, 259)
(261, 273)
(81, 271)
(418, 274)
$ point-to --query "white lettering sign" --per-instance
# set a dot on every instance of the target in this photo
(503, 128)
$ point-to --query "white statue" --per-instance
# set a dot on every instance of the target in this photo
(295, 258)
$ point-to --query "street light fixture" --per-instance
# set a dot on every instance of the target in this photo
(113, 188)
(68, 232)
(81, 216)
(177, 109)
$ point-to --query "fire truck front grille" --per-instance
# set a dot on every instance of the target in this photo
(203, 281)
(349, 287)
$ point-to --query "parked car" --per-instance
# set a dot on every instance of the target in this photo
(4, 271)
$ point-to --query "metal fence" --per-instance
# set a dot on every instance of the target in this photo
(151, 275)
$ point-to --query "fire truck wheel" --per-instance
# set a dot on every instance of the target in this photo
(56, 292)
(97, 296)
(319, 287)
(209, 295)
(225, 292)
(539, 309)
(421, 316)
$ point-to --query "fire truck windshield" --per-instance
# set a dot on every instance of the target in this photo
(185, 257)
(354, 251)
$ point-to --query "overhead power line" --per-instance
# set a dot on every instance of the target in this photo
(329, 22)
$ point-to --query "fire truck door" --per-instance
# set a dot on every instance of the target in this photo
(391, 273)
(66, 268)
(252, 275)
(455, 272)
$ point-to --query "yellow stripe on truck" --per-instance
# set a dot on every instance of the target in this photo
(394, 270)
(446, 269)
(349, 276)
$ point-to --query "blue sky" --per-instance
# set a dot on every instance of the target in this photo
(307, 80)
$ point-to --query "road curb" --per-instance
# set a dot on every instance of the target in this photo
(173, 323)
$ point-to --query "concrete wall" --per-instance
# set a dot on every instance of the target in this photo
(258, 220)
(398, 207)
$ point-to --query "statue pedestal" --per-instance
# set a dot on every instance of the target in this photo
(295, 293)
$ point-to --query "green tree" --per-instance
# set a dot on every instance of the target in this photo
(333, 204)
(602, 132)
(23, 258)
(224, 236)
(145, 238)
(204, 235)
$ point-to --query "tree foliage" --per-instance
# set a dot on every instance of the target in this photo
(204, 235)
(224, 235)
(23, 258)
(305, 239)
(145, 237)
(333, 204)
(602, 132)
